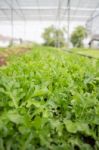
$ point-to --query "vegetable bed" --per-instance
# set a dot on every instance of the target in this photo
(87, 52)
(49, 100)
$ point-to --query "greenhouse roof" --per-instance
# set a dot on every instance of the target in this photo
(80, 10)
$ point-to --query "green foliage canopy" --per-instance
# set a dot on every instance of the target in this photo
(78, 36)
(54, 37)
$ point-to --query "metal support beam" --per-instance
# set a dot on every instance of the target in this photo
(68, 22)
(94, 17)
(59, 22)
(91, 18)
(11, 6)
(20, 10)
(51, 8)
(24, 19)
(12, 24)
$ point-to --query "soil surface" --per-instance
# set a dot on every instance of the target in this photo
(4, 55)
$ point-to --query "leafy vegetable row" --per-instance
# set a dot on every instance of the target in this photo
(49, 100)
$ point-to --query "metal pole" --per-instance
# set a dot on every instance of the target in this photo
(59, 33)
(68, 22)
(59, 17)
(12, 25)
(24, 30)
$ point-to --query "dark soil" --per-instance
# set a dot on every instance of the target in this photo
(2, 61)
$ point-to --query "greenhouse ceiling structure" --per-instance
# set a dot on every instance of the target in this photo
(51, 10)
(48, 9)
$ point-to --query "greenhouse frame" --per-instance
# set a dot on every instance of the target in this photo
(54, 10)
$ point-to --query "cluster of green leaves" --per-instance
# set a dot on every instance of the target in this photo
(49, 100)
(54, 37)
(78, 35)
